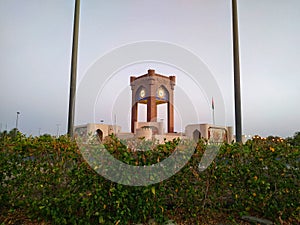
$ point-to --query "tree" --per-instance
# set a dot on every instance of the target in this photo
(295, 140)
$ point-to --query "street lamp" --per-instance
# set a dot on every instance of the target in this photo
(17, 120)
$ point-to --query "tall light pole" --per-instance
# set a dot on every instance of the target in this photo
(236, 66)
(57, 130)
(73, 69)
(17, 120)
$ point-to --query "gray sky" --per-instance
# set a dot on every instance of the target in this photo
(35, 48)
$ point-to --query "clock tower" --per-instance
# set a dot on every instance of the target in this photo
(152, 89)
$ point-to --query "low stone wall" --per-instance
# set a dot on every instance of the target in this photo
(144, 133)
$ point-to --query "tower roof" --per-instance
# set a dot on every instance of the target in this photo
(151, 72)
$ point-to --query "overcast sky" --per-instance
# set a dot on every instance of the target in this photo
(35, 56)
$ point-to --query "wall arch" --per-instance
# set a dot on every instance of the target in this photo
(100, 134)
(196, 135)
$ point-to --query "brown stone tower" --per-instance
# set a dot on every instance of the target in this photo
(152, 89)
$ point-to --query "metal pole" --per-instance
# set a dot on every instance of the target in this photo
(57, 131)
(17, 120)
(73, 69)
(213, 110)
(236, 64)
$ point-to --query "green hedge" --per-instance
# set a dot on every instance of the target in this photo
(48, 179)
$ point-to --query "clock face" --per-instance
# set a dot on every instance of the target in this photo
(142, 93)
(161, 92)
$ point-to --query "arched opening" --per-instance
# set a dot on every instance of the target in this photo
(162, 94)
(196, 135)
(142, 112)
(99, 134)
(141, 95)
(162, 115)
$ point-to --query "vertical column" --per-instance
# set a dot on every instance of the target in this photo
(171, 105)
(236, 71)
(134, 105)
(229, 135)
(151, 109)
(170, 117)
(134, 112)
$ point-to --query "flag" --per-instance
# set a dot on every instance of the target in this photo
(212, 104)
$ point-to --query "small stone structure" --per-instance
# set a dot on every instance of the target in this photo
(144, 132)
(102, 130)
(209, 132)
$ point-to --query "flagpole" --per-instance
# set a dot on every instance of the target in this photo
(73, 69)
(213, 110)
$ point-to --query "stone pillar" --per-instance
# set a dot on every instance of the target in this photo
(204, 130)
(151, 109)
(134, 108)
(134, 113)
(151, 100)
(170, 117)
(229, 135)
(171, 105)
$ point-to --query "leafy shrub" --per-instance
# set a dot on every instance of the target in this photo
(49, 180)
